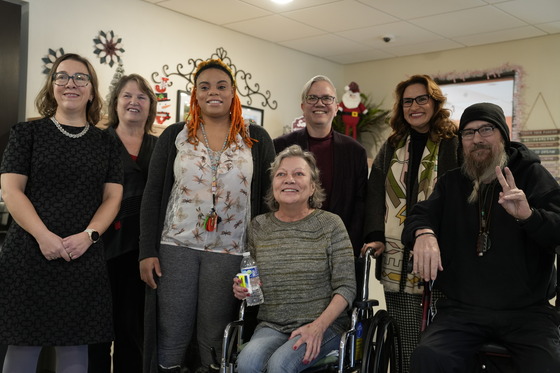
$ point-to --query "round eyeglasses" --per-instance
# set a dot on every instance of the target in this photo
(483, 131)
(326, 100)
(80, 79)
(420, 100)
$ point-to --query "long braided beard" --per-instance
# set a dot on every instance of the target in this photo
(483, 171)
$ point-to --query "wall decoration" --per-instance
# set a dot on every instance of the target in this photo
(297, 124)
(163, 104)
(371, 125)
(253, 113)
(49, 59)
(108, 48)
(119, 73)
(490, 74)
(251, 91)
(545, 142)
(183, 105)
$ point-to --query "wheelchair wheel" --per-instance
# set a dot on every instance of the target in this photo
(382, 345)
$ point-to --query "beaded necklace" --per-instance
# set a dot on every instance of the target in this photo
(66, 133)
(213, 219)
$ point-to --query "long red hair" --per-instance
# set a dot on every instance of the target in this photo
(237, 123)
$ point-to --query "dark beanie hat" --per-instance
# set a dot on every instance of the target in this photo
(490, 113)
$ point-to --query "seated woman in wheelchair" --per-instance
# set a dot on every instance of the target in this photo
(306, 266)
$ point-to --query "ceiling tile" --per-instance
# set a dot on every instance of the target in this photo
(407, 9)
(400, 33)
(369, 55)
(340, 16)
(218, 12)
(274, 28)
(534, 11)
(294, 5)
(551, 28)
(468, 22)
(500, 36)
(324, 45)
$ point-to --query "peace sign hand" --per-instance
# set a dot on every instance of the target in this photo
(512, 199)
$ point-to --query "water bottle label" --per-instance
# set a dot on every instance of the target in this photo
(251, 271)
(245, 281)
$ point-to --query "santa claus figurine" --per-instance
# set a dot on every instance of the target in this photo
(351, 108)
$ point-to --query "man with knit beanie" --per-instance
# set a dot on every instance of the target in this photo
(487, 237)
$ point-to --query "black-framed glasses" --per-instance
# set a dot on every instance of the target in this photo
(483, 131)
(80, 79)
(326, 100)
(420, 100)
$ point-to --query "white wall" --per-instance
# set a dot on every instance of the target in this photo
(154, 36)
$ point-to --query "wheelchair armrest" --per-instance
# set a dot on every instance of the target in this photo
(366, 304)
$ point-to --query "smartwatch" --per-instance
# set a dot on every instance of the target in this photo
(93, 235)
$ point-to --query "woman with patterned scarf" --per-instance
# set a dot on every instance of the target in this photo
(421, 147)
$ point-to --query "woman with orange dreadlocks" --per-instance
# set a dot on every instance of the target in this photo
(207, 179)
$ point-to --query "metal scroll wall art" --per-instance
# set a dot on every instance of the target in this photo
(250, 91)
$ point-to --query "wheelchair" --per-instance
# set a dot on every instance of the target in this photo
(492, 357)
(371, 345)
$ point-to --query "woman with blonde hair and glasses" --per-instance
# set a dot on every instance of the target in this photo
(206, 181)
(421, 147)
(61, 181)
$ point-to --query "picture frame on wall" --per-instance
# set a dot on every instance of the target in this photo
(183, 105)
(253, 113)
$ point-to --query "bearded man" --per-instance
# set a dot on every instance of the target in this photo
(487, 237)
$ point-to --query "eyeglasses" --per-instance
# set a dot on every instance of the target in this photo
(420, 100)
(326, 100)
(80, 79)
(483, 131)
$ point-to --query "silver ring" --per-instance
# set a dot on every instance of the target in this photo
(70, 255)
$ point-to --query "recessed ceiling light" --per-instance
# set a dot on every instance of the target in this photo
(281, 1)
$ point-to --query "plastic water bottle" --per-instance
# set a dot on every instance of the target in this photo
(249, 268)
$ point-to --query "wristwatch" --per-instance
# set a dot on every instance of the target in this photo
(93, 235)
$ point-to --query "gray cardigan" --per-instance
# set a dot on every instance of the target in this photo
(154, 206)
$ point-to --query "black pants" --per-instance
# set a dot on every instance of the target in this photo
(128, 315)
(450, 343)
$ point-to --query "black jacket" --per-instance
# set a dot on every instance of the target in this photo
(518, 269)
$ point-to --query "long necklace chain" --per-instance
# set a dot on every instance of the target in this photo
(212, 219)
(485, 208)
(66, 133)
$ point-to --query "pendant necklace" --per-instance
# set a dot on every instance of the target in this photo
(212, 219)
(483, 242)
(66, 133)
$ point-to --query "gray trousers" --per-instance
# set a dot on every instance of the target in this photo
(195, 290)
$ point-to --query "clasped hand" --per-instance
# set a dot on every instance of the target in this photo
(69, 248)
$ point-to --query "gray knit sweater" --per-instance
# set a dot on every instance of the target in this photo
(302, 266)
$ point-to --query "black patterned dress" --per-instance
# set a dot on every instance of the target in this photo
(57, 303)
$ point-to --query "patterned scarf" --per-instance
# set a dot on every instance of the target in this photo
(395, 203)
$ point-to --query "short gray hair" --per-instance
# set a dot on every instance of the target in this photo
(316, 200)
(315, 79)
